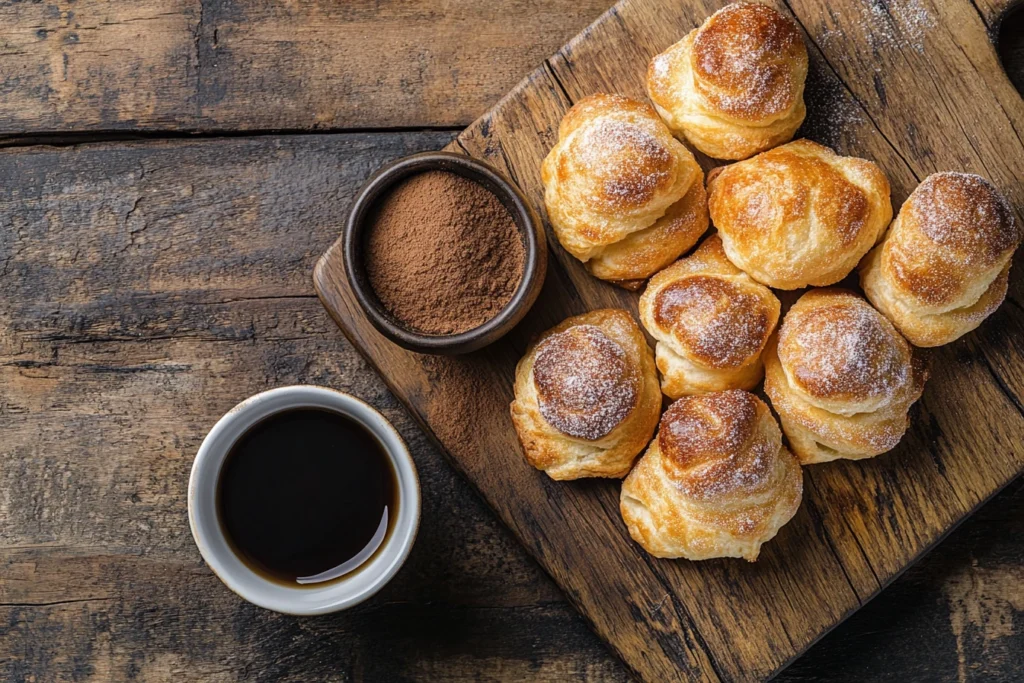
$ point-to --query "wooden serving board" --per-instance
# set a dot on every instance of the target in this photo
(914, 85)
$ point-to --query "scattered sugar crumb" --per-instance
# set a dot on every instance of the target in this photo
(831, 111)
(888, 24)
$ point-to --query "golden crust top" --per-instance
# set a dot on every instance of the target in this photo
(782, 186)
(836, 347)
(735, 86)
(716, 482)
(799, 214)
(718, 443)
(841, 378)
(614, 173)
(618, 162)
(711, 322)
(748, 61)
(584, 383)
(587, 399)
(965, 212)
(718, 321)
(952, 229)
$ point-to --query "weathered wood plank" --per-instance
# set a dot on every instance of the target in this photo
(113, 364)
(160, 620)
(955, 616)
(156, 345)
(147, 288)
(184, 65)
(863, 522)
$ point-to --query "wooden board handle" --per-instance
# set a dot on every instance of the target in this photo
(995, 11)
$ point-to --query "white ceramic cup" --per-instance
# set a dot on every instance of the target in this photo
(336, 595)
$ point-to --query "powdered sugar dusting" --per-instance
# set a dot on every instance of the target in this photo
(584, 382)
(712, 445)
(844, 349)
(912, 21)
(660, 66)
(832, 112)
(716, 423)
(966, 214)
(888, 25)
(745, 55)
(716, 320)
(629, 162)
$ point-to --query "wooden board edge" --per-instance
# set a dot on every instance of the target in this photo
(892, 579)
(321, 284)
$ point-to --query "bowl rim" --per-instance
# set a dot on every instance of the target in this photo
(527, 223)
(224, 561)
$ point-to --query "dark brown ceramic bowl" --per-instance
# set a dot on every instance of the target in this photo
(530, 230)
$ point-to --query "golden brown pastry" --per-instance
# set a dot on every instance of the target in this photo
(715, 482)
(735, 86)
(841, 378)
(711, 322)
(799, 214)
(944, 265)
(587, 397)
(622, 194)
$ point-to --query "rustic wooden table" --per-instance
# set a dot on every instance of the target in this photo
(170, 172)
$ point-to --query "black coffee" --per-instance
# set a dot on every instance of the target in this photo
(306, 495)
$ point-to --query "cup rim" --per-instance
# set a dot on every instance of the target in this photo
(527, 222)
(208, 534)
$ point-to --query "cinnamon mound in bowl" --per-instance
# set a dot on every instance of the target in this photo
(442, 253)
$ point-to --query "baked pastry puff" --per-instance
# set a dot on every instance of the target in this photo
(622, 194)
(841, 378)
(715, 482)
(944, 265)
(799, 214)
(711, 322)
(735, 86)
(587, 397)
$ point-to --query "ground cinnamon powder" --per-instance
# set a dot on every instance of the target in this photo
(443, 254)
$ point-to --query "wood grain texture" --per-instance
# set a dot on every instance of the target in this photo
(144, 290)
(186, 65)
(98, 577)
(469, 605)
(954, 616)
(862, 523)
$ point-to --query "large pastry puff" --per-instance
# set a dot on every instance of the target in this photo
(735, 86)
(944, 265)
(841, 378)
(587, 397)
(715, 482)
(799, 214)
(711, 322)
(622, 194)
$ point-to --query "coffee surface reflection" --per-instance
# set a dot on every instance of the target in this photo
(306, 496)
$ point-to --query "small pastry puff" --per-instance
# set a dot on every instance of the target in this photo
(944, 265)
(586, 396)
(711, 322)
(841, 378)
(622, 194)
(715, 482)
(735, 86)
(799, 214)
